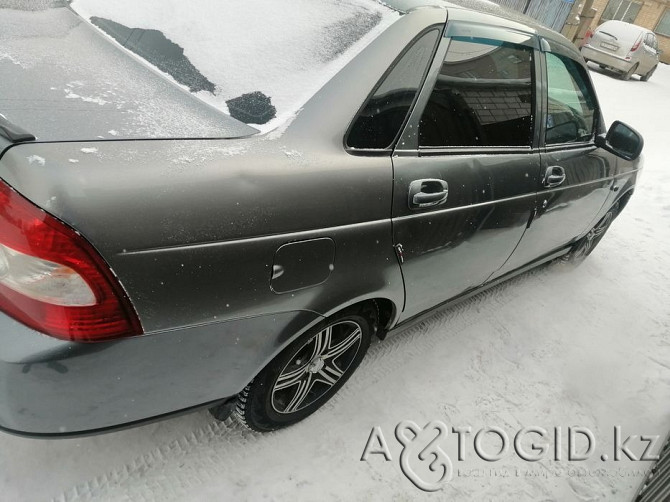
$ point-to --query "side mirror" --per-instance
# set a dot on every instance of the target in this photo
(621, 140)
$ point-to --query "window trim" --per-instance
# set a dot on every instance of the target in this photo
(459, 28)
(431, 151)
(389, 149)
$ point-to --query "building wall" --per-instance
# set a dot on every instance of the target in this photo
(648, 17)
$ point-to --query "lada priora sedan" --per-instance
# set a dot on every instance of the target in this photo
(159, 255)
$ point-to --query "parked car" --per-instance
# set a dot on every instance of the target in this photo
(625, 48)
(210, 265)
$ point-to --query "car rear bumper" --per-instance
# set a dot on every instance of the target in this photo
(605, 58)
(50, 387)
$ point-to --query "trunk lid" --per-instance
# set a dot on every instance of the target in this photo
(616, 37)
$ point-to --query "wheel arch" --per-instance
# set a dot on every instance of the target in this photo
(384, 310)
(623, 199)
(256, 406)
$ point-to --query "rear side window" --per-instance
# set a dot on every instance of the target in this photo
(570, 102)
(483, 96)
(378, 123)
(650, 40)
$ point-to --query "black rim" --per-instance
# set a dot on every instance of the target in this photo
(316, 367)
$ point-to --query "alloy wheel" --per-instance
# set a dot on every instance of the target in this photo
(316, 367)
(593, 237)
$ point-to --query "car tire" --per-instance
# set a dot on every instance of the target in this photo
(630, 73)
(308, 372)
(648, 75)
(584, 246)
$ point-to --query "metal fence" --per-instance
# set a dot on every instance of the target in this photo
(551, 13)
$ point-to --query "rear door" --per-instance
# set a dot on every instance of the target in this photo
(467, 164)
(576, 175)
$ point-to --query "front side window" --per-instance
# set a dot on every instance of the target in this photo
(380, 120)
(648, 40)
(483, 96)
(570, 102)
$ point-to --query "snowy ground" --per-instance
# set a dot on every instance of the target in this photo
(556, 347)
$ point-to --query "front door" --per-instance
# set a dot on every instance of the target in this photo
(467, 164)
(577, 175)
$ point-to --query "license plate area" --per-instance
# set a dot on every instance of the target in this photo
(607, 46)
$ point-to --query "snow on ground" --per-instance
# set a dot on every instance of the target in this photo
(288, 52)
(558, 346)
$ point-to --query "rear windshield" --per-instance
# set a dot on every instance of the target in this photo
(622, 32)
(257, 60)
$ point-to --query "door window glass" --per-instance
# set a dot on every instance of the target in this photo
(483, 96)
(570, 106)
(380, 120)
(649, 41)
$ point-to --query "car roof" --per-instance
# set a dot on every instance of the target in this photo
(489, 13)
(624, 26)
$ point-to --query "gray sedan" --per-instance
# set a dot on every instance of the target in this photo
(158, 255)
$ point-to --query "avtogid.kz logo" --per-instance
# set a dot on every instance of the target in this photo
(420, 448)
(423, 443)
(426, 464)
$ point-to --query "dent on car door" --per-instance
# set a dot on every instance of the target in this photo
(576, 175)
(466, 166)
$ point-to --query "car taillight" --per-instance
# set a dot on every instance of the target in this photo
(54, 281)
(636, 45)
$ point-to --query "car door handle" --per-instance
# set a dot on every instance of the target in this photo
(427, 193)
(554, 176)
